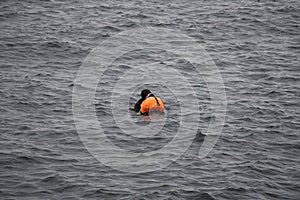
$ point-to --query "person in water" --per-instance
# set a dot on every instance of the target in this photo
(148, 102)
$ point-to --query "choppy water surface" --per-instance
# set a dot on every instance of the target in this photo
(255, 45)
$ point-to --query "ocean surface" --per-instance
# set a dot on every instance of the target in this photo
(254, 44)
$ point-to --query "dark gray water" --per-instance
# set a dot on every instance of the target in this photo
(255, 45)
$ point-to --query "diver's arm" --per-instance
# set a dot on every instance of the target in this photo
(137, 105)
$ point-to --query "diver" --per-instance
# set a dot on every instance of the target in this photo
(148, 102)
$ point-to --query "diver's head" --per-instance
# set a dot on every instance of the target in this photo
(144, 93)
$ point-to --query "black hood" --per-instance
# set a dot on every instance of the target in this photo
(144, 93)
